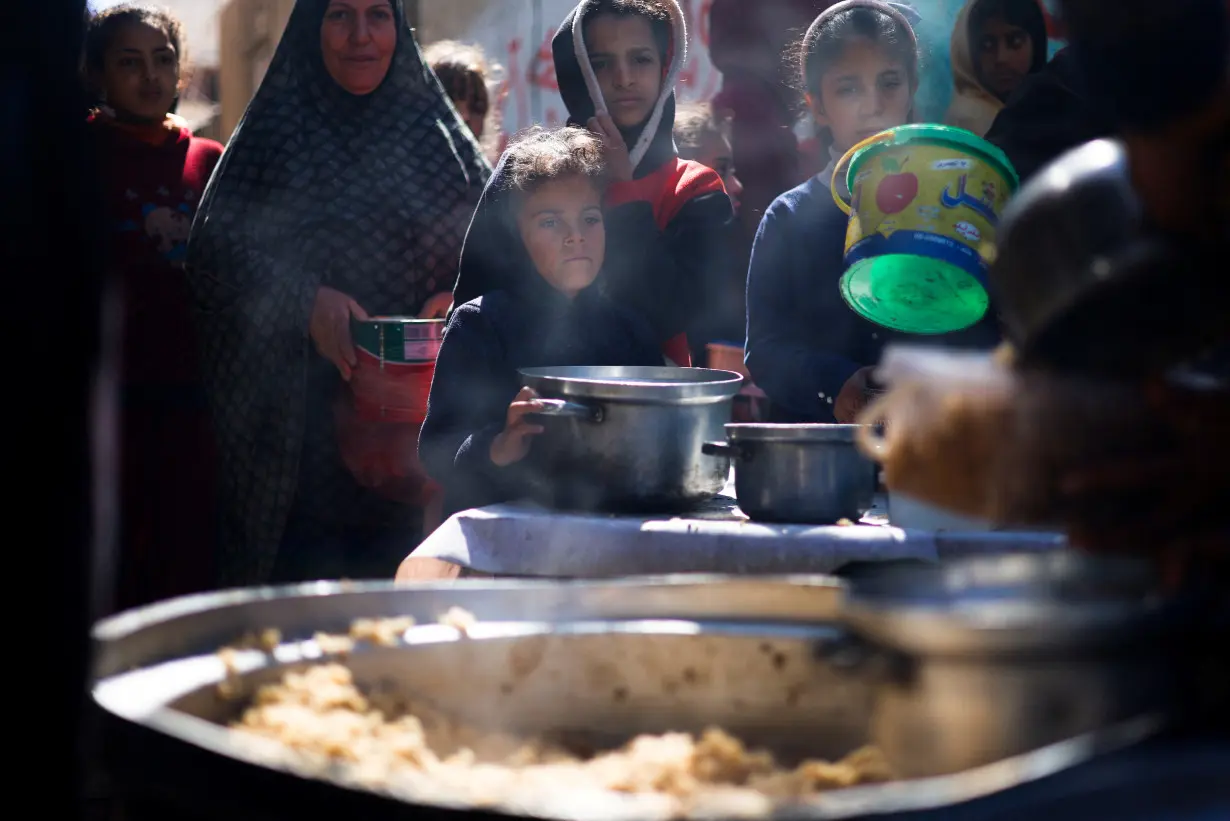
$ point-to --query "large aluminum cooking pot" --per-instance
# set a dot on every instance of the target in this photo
(603, 660)
(798, 473)
(629, 439)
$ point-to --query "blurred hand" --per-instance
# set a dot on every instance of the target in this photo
(437, 307)
(615, 150)
(330, 328)
(513, 443)
(853, 397)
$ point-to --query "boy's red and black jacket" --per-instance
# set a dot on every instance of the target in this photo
(667, 227)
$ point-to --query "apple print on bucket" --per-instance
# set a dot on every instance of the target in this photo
(898, 188)
(922, 226)
(968, 231)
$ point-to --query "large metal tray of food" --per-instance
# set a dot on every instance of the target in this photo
(203, 623)
(668, 690)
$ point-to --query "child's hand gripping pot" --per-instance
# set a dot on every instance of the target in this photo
(513, 443)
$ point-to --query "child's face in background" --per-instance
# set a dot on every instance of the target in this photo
(561, 226)
(140, 74)
(865, 92)
(716, 153)
(473, 113)
(625, 59)
(1003, 53)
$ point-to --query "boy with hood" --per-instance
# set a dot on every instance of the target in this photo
(616, 62)
(996, 44)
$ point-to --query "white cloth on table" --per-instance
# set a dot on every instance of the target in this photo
(522, 539)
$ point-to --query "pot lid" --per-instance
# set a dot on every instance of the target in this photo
(1007, 604)
(764, 432)
(634, 383)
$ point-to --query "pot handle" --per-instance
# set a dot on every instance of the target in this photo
(845, 160)
(571, 410)
(720, 449)
(850, 654)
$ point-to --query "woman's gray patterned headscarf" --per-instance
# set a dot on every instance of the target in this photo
(368, 195)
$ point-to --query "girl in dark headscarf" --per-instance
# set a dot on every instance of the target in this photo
(996, 44)
(345, 191)
(538, 243)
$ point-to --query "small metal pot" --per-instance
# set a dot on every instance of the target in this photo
(628, 439)
(798, 473)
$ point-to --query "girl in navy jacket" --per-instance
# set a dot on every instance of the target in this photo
(810, 353)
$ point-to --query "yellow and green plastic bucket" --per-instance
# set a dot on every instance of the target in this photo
(924, 206)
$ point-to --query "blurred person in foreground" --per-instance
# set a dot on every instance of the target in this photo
(1129, 451)
(344, 193)
(1172, 107)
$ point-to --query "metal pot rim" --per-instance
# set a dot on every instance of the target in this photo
(1033, 630)
(399, 320)
(800, 433)
(647, 384)
(1023, 602)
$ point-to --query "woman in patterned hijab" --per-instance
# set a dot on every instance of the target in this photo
(345, 191)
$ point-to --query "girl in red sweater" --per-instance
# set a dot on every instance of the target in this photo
(153, 172)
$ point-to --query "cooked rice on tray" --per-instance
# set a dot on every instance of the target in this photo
(382, 741)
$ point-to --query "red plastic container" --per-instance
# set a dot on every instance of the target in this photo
(391, 391)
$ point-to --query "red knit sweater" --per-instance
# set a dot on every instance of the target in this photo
(152, 181)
